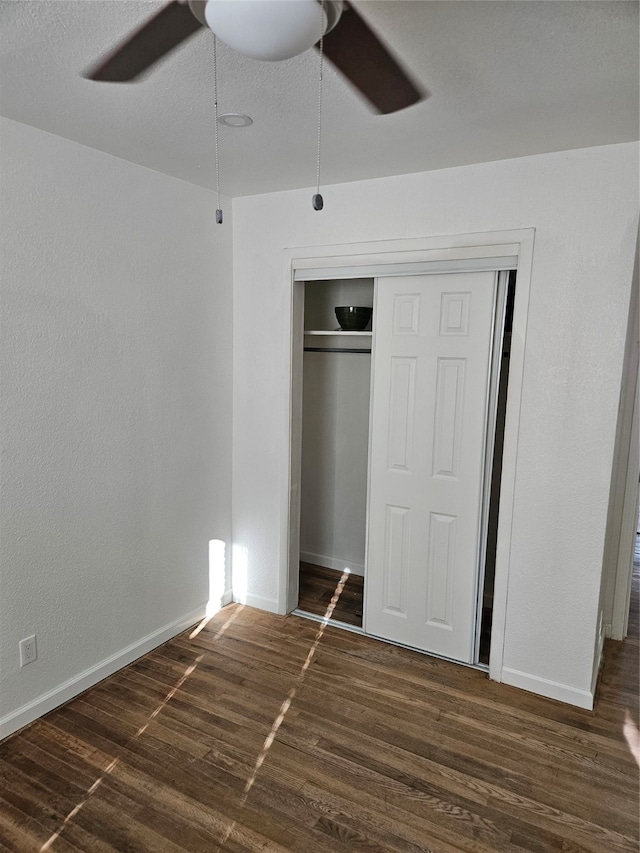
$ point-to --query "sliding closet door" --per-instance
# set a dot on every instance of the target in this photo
(433, 337)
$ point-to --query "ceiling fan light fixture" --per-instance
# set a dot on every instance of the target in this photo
(270, 30)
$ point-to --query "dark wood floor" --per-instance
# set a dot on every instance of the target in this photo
(317, 586)
(267, 733)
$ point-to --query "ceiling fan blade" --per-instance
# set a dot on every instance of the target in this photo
(356, 51)
(154, 39)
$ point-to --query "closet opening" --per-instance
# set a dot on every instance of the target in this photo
(359, 555)
(486, 601)
(336, 387)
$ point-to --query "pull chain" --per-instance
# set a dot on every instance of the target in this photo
(317, 200)
(215, 99)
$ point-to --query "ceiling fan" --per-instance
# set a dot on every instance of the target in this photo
(271, 30)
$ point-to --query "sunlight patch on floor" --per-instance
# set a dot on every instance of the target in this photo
(632, 736)
(108, 770)
(291, 695)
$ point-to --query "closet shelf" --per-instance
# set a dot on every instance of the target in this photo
(332, 341)
(339, 332)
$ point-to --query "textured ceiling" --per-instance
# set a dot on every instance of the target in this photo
(507, 78)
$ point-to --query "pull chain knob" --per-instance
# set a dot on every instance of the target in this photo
(215, 119)
(317, 200)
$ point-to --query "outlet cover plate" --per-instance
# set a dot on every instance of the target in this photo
(28, 650)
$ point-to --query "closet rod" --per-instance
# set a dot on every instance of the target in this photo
(335, 349)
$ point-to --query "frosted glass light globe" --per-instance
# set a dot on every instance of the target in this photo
(267, 29)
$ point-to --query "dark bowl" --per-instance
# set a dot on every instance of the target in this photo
(353, 318)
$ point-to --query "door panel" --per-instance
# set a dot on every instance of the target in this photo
(401, 413)
(433, 337)
(396, 559)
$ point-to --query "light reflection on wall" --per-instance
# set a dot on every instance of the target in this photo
(240, 560)
(217, 575)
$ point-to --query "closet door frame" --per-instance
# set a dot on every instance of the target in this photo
(486, 251)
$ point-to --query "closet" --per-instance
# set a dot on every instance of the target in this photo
(335, 441)
(400, 447)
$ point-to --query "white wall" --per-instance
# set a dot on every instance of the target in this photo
(583, 205)
(335, 431)
(116, 399)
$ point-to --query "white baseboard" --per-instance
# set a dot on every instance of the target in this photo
(550, 689)
(259, 602)
(81, 682)
(227, 597)
(332, 562)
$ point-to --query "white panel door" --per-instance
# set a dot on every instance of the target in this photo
(433, 338)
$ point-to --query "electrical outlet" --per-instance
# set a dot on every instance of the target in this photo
(28, 650)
